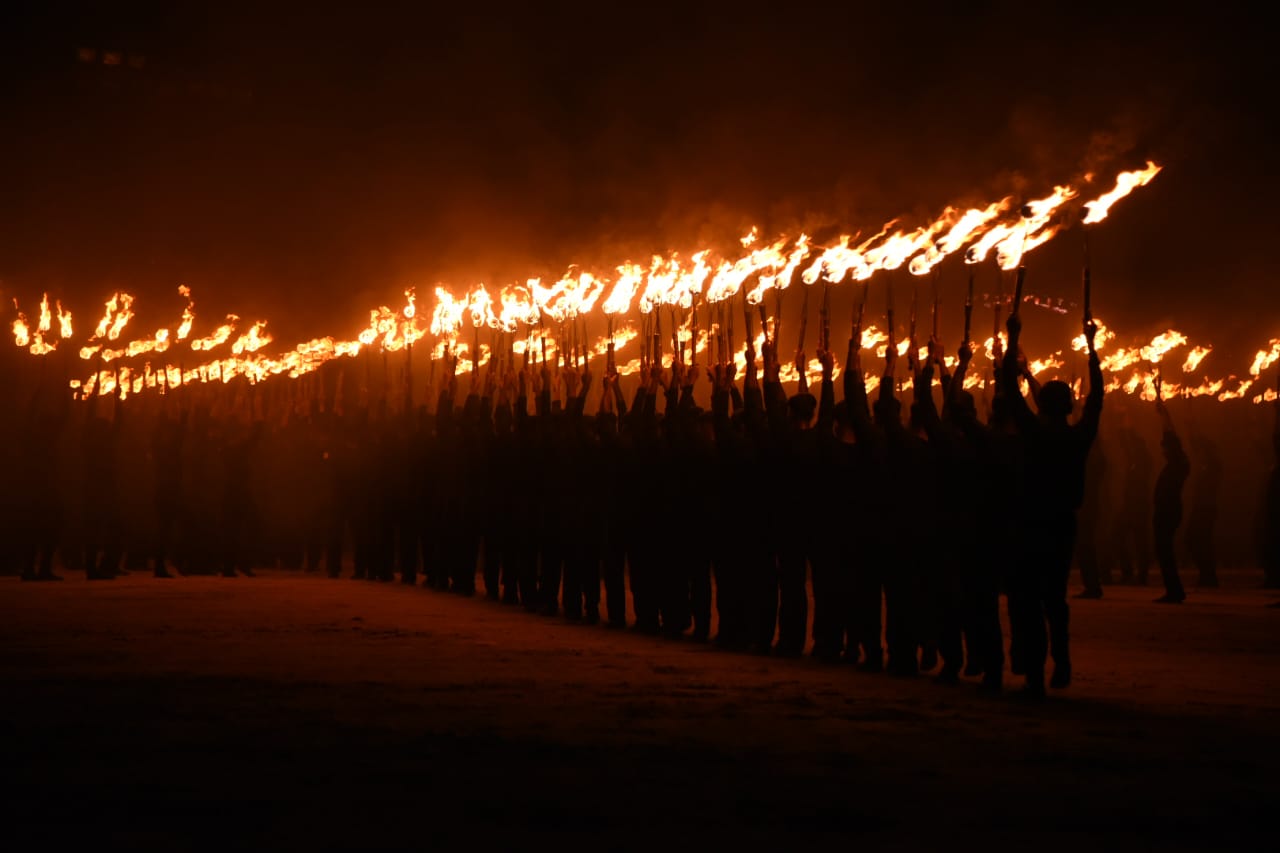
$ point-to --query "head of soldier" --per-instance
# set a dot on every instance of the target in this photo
(963, 409)
(800, 409)
(887, 410)
(1055, 400)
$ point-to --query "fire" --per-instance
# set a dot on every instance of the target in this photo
(673, 280)
(839, 261)
(1161, 344)
(894, 251)
(1194, 358)
(447, 318)
(1126, 182)
(105, 323)
(965, 228)
(659, 283)
(188, 313)
(1240, 391)
(123, 314)
(1053, 362)
(64, 322)
(781, 269)
(518, 307)
(1034, 230)
(21, 333)
(480, 305)
(159, 343)
(1265, 358)
(46, 316)
(253, 340)
(219, 336)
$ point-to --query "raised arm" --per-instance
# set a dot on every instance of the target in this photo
(855, 388)
(955, 385)
(923, 394)
(827, 396)
(1093, 402)
(1009, 372)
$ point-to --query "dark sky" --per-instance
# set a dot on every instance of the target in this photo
(269, 157)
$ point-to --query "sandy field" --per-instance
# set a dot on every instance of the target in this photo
(290, 711)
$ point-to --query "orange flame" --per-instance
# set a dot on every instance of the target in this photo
(968, 226)
(1265, 358)
(188, 313)
(219, 337)
(64, 322)
(1126, 182)
(253, 340)
(1194, 358)
(1035, 228)
(124, 313)
(21, 334)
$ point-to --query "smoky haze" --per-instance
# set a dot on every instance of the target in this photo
(306, 165)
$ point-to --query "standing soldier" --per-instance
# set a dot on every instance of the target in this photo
(1167, 515)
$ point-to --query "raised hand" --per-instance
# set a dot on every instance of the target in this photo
(1022, 362)
(936, 352)
(890, 357)
(1014, 325)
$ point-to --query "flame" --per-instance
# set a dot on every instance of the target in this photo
(1194, 358)
(894, 250)
(253, 340)
(1101, 338)
(1161, 344)
(124, 313)
(624, 290)
(518, 307)
(671, 280)
(1126, 182)
(446, 320)
(837, 262)
(64, 322)
(46, 316)
(219, 337)
(968, 226)
(188, 313)
(480, 305)
(1040, 365)
(21, 333)
(1265, 358)
(158, 343)
(782, 268)
(1035, 228)
(112, 305)
(1240, 391)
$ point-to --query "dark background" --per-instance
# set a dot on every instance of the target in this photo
(306, 163)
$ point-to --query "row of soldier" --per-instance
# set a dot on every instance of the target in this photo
(761, 500)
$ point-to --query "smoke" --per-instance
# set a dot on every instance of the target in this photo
(305, 168)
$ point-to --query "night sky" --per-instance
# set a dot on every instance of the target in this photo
(270, 157)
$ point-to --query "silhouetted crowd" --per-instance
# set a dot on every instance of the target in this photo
(903, 530)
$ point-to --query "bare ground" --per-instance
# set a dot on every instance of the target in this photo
(293, 712)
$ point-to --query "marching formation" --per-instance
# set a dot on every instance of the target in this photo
(651, 513)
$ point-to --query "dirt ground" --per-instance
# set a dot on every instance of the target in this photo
(297, 712)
